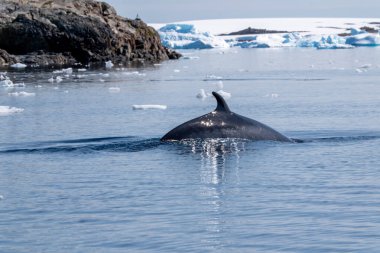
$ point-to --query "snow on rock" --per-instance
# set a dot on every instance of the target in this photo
(186, 36)
(145, 107)
(7, 110)
(18, 65)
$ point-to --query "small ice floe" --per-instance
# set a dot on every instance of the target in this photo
(114, 89)
(82, 70)
(224, 94)
(109, 64)
(1, 197)
(81, 76)
(18, 65)
(105, 75)
(202, 94)
(146, 107)
(272, 95)
(135, 73)
(7, 83)
(22, 94)
(219, 85)
(51, 80)
(359, 70)
(213, 77)
(190, 57)
(67, 71)
(3, 76)
(177, 71)
(102, 80)
(58, 79)
(7, 110)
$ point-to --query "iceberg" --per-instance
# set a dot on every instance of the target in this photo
(323, 42)
(186, 36)
(364, 39)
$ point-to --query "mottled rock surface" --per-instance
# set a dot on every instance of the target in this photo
(62, 32)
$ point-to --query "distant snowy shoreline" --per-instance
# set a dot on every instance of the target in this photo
(321, 33)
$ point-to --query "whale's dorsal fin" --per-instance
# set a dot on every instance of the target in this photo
(222, 105)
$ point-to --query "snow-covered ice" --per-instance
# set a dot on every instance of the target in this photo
(7, 110)
(319, 33)
(145, 107)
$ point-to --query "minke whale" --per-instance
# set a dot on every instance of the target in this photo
(223, 123)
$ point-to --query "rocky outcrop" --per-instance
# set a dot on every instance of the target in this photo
(62, 32)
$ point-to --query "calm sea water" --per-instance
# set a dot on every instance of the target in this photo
(80, 171)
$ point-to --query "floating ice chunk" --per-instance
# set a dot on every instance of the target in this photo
(359, 70)
(68, 71)
(105, 75)
(82, 70)
(177, 71)
(1, 197)
(18, 65)
(202, 94)
(81, 76)
(7, 83)
(58, 79)
(213, 77)
(22, 94)
(219, 85)
(190, 57)
(102, 80)
(7, 110)
(114, 89)
(224, 94)
(109, 64)
(272, 95)
(145, 107)
(51, 80)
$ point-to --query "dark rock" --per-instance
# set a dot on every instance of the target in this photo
(6, 59)
(250, 31)
(85, 31)
(369, 29)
